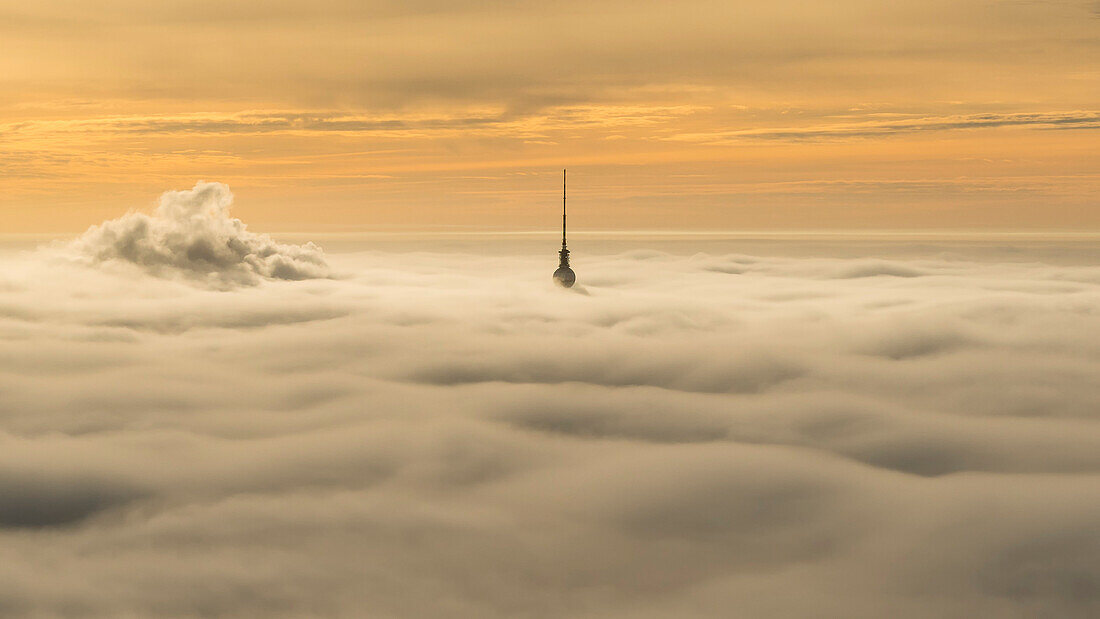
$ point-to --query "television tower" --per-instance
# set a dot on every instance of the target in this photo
(564, 276)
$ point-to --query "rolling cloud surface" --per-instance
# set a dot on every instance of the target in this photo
(780, 433)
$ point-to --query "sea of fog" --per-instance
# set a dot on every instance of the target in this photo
(197, 420)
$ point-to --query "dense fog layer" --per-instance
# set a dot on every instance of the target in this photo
(905, 431)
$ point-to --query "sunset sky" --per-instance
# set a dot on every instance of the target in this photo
(341, 115)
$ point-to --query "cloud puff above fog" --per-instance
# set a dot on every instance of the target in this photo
(190, 234)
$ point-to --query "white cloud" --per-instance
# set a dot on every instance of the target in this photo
(192, 235)
(448, 434)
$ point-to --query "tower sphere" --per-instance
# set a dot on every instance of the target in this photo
(565, 277)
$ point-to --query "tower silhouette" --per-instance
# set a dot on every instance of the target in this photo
(564, 276)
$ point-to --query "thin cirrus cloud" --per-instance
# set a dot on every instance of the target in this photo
(576, 116)
(435, 429)
(244, 123)
(406, 126)
(894, 126)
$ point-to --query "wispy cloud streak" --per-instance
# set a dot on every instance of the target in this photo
(886, 128)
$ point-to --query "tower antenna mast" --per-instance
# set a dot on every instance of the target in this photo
(563, 208)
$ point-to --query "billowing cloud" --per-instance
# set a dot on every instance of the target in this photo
(869, 424)
(191, 234)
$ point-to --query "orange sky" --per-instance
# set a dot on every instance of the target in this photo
(340, 115)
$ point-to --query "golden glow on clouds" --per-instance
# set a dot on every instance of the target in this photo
(708, 115)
